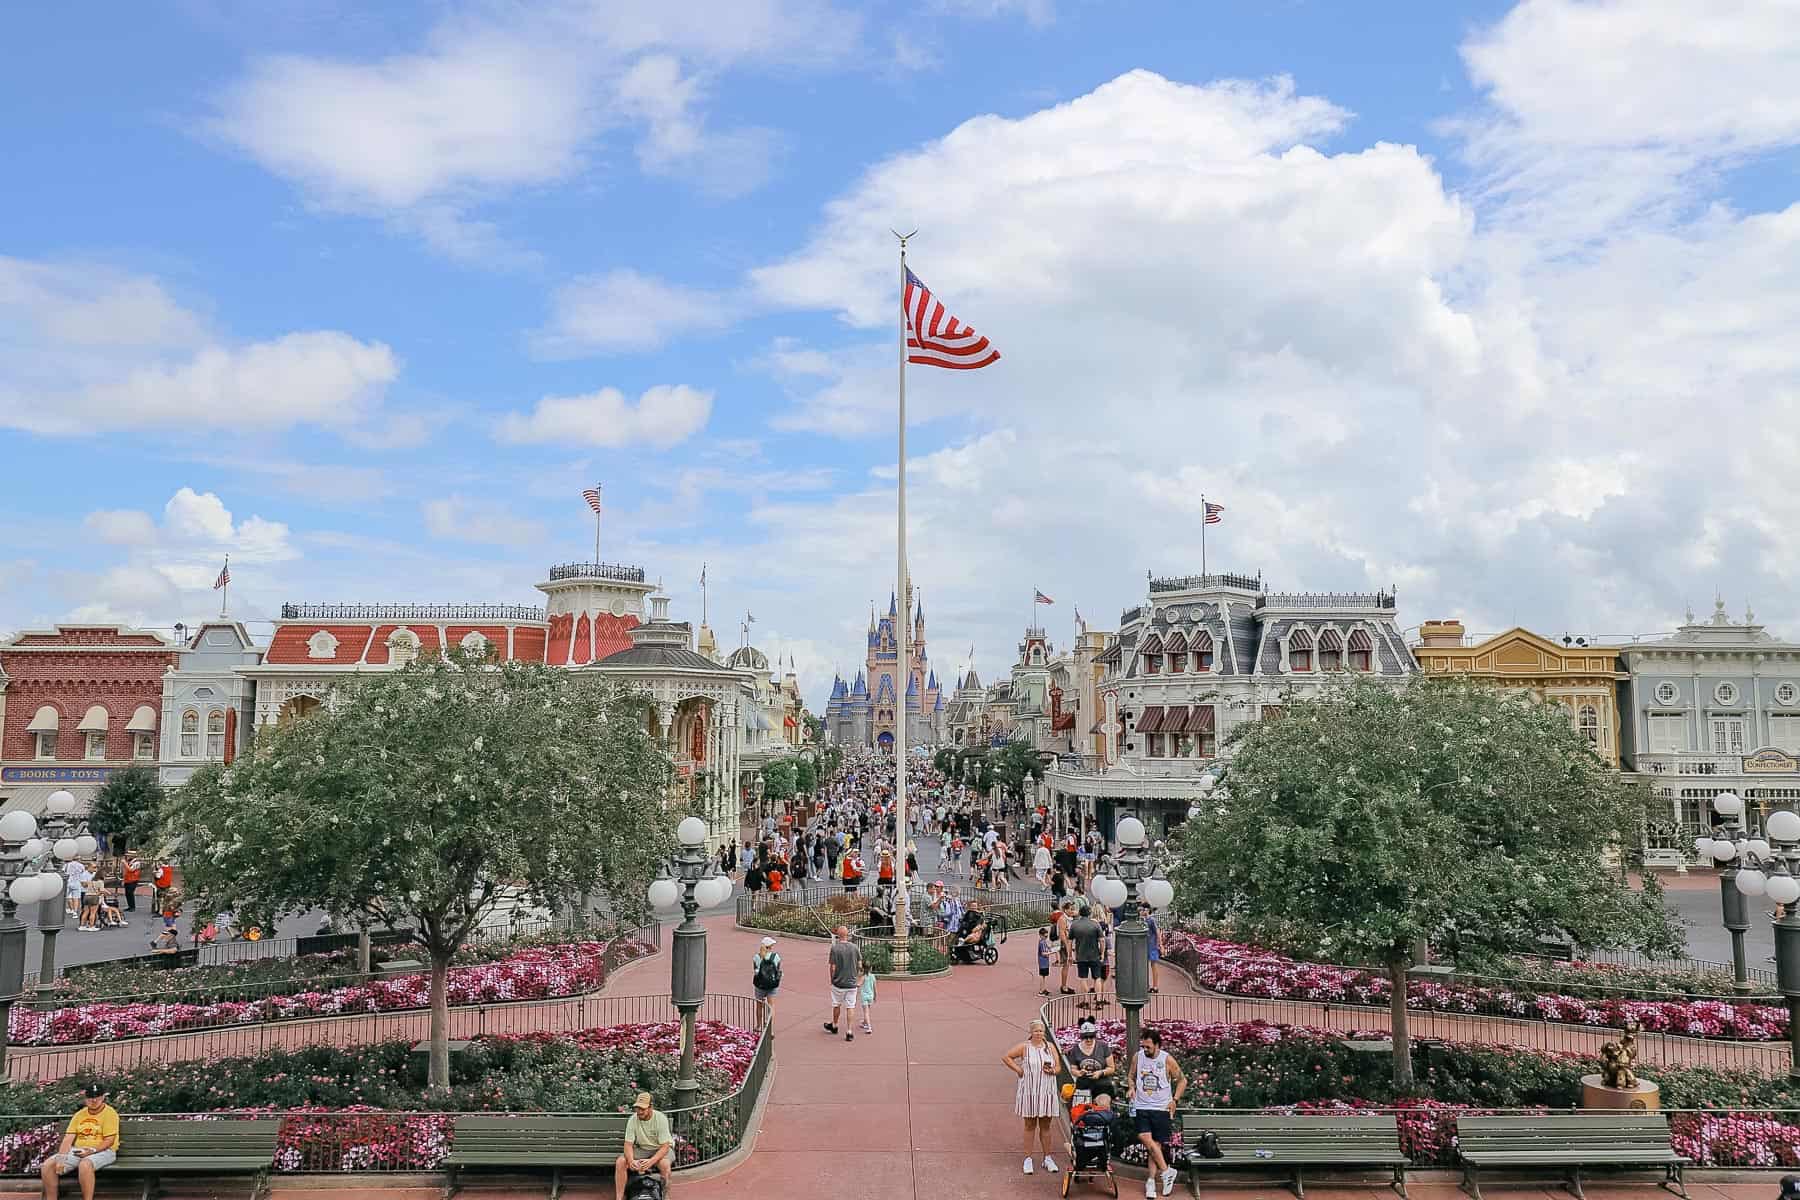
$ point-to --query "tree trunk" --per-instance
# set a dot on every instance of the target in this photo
(1403, 1073)
(439, 1078)
(365, 952)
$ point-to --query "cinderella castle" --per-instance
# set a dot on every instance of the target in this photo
(865, 713)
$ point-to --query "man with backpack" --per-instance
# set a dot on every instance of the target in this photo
(765, 978)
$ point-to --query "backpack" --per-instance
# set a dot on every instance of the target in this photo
(768, 974)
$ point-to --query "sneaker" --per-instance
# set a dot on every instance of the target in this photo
(830, 1028)
(1168, 1181)
(1049, 1164)
(849, 1037)
(1150, 1189)
(867, 1029)
(1028, 1166)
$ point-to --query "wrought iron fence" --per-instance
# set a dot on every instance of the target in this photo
(313, 1142)
(588, 570)
(927, 953)
(412, 612)
(1425, 1025)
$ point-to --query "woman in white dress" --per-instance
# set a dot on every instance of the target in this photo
(1040, 864)
(1035, 1062)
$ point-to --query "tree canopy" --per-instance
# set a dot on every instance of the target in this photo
(1015, 766)
(426, 797)
(806, 776)
(1372, 818)
(779, 780)
(128, 807)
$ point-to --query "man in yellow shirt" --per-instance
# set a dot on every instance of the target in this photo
(649, 1146)
(91, 1142)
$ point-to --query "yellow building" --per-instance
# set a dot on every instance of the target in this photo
(1583, 679)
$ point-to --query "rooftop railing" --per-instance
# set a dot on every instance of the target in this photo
(1188, 583)
(411, 612)
(1327, 600)
(588, 570)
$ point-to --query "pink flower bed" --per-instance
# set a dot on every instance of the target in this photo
(1240, 970)
(539, 973)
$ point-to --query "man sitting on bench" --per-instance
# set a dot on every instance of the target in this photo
(92, 1142)
(649, 1145)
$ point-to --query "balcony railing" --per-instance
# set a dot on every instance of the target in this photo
(410, 612)
(1326, 600)
(588, 570)
(1188, 583)
(1665, 763)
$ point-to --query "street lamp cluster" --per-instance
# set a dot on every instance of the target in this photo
(1765, 863)
(27, 877)
(1132, 878)
(691, 878)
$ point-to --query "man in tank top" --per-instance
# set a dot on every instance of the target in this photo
(1157, 1086)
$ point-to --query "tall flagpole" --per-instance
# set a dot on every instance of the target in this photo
(903, 917)
(225, 588)
(597, 488)
(1203, 535)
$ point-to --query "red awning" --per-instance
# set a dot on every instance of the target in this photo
(1151, 720)
(789, 721)
(1177, 720)
(1204, 719)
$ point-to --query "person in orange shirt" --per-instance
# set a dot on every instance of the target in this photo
(134, 875)
(91, 1142)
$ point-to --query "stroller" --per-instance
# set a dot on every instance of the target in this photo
(986, 947)
(1090, 1147)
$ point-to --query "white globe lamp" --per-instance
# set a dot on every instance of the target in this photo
(691, 831)
(1115, 893)
(1130, 831)
(23, 889)
(1783, 889)
(1159, 892)
(67, 848)
(35, 848)
(17, 826)
(1783, 826)
(1751, 882)
(1703, 846)
(1758, 848)
(1723, 850)
(664, 894)
(85, 845)
(59, 803)
(1728, 804)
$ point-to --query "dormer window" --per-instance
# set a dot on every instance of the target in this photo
(1300, 651)
(1331, 651)
(321, 645)
(1203, 651)
(403, 647)
(1178, 645)
(1361, 652)
(474, 642)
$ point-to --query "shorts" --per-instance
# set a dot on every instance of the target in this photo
(1043, 970)
(1089, 970)
(768, 995)
(68, 1162)
(1154, 1122)
(1102, 975)
(845, 998)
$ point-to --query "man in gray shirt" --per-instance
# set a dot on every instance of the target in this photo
(846, 980)
(1089, 940)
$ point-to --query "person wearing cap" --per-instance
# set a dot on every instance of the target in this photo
(90, 1143)
(1091, 1061)
(649, 1145)
(765, 975)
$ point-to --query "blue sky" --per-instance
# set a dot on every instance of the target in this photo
(1427, 295)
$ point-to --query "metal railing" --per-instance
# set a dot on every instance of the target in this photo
(928, 953)
(1186, 583)
(412, 612)
(1326, 600)
(588, 570)
(312, 1142)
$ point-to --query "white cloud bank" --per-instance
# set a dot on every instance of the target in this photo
(661, 417)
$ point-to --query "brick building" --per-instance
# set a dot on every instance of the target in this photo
(82, 701)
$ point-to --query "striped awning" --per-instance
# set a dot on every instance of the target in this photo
(94, 720)
(1150, 720)
(1204, 719)
(1176, 719)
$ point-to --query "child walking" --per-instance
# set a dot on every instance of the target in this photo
(1043, 949)
(868, 998)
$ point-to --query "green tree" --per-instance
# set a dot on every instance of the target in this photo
(806, 776)
(1015, 764)
(944, 760)
(1371, 818)
(425, 797)
(778, 780)
(128, 807)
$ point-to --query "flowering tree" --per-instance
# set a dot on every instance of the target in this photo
(424, 797)
(1372, 818)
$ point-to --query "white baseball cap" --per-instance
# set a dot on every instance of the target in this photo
(768, 941)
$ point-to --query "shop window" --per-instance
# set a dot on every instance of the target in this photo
(215, 734)
(95, 748)
(190, 734)
(1153, 743)
(143, 746)
(1587, 723)
(46, 745)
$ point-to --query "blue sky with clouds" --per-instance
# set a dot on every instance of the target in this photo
(1491, 302)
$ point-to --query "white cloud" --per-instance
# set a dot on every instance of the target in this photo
(120, 527)
(624, 310)
(663, 416)
(488, 106)
(85, 349)
(461, 519)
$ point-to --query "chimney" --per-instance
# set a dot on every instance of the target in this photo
(1441, 633)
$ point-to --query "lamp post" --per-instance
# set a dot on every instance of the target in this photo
(691, 879)
(1766, 866)
(1131, 868)
(1734, 901)
(68, 841)
(20, 883)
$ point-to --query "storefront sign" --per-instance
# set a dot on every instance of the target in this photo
(1770, 762)
(56, 774)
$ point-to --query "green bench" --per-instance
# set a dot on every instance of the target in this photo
(154, 1147)
(1290, 1145)
(1568, 1143)
(535, 1141)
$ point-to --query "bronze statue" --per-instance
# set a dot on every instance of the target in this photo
(1616, 1059)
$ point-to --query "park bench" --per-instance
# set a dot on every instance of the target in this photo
(1568, 1142)
(157, 1146)
(535, 1141)
(1291, 1145)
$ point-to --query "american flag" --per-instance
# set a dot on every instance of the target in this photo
(934, 338)
(1040, 598)
(224, 576)
(1212, 513)
(592, 496)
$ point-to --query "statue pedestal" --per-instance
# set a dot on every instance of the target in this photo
(1646, 1097)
